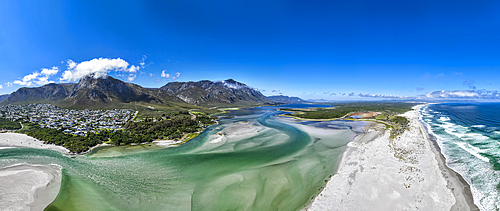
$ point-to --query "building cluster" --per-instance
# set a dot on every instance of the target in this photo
(72, 121)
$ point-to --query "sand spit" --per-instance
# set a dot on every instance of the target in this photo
(23, 140)
(166, 143)
(405, 173)
(29, 187)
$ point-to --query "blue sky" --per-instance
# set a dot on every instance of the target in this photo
(308, 49)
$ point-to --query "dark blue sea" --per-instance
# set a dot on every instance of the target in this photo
(469, 137)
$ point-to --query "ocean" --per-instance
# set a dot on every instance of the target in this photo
(468, 135)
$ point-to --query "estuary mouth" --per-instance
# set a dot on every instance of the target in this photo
(259, 161)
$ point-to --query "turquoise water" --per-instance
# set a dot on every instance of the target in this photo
(469, 137)
(260, 163)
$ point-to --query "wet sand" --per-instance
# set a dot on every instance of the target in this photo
(28, 187)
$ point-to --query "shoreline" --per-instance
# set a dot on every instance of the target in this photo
(17, 140)
(453, 178)
(394, 174)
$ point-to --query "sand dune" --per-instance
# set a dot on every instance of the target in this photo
(405, 173)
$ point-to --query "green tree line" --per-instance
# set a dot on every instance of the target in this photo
(9, 125)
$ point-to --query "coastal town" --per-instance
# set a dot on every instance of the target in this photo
(78, 122)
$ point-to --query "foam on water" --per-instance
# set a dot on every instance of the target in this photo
(479, 126)
(468, 138)
(472, 150)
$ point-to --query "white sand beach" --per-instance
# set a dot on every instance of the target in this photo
(166, 143)
(29, 187)
(23, 140)
(405, 173)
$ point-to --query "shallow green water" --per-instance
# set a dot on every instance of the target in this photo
(262, 163)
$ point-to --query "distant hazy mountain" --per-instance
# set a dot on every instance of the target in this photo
(215, 93)
(320, 100)
(108, 92)
(285, 99)
(45, 94)
(4, 97)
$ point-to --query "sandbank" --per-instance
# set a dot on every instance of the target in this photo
(404, 173)
(29, 187)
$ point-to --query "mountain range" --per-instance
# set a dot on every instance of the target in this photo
(286, 99)
(4, 97)
(108, 92)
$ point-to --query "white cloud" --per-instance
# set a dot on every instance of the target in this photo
(71, 64)
(50, 72)
(132, 69)
(131, 77)
(1, 87)
(143, 61)
(37, 78)
(177, 75)
(31, 76)
(463, 94)
(383, 96)
(98, 67)
(457, 94)
(43, 80)
(23, 83)
(8, 84)
(164, 75)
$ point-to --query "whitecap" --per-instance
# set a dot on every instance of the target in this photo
(474, 137)
(470, 149)
(444, 118)
(478, 126)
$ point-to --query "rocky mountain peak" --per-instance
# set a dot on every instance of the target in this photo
(230, 83)
(212, 93)
(98, 92)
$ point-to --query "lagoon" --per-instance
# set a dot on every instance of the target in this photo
(259, 161)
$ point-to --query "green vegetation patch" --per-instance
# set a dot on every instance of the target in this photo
(173, 128)
(342, 109)
(6, 124)
(74, 143)
(188, 137)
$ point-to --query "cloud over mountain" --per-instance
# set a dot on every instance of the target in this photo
(38, 78)
(99, 68)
